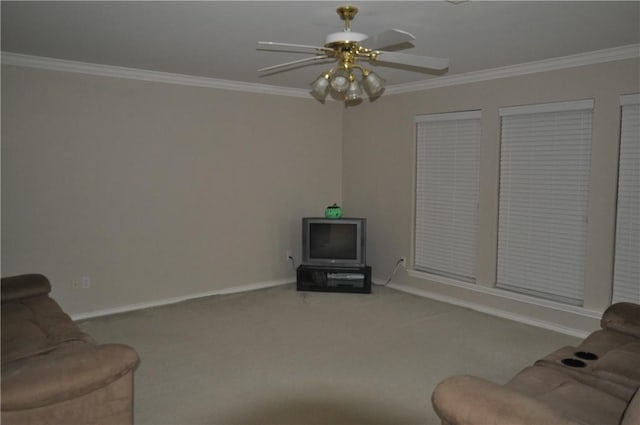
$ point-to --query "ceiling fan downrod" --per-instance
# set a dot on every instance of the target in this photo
(347, 14)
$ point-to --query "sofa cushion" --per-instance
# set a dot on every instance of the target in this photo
(622, 317)
(621, 365)
(35, 325)
(72, 369)
(614, 371)
(605, 340)
(567, 396)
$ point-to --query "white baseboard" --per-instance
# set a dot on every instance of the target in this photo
(579, 333)
(167, 301)
(398, 286)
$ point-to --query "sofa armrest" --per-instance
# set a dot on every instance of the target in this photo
(622, 317)
(74, 369)
(467, 400)
(23, 286)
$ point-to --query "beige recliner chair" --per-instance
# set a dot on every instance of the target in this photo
(595, 383)
(52, 373)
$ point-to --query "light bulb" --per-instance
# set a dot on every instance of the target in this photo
(340, 80)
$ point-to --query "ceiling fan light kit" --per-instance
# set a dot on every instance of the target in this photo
(340, 80)
(320, 87)
(347, 47)
(373, 84)
(354, 92)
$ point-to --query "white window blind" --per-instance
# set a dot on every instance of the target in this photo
(446, 219)
(544, 191)
(626, 274)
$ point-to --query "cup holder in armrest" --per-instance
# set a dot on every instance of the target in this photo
(573, 363)
(585, 355)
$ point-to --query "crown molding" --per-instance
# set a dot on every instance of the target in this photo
(53, 64)
(599, 56)
(590, 58)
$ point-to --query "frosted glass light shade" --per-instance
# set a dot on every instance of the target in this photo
(373, 84)
(340, 81)
(354, 92)
(320, 86)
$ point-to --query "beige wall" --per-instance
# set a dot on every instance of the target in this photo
(156, 190)
(159, 191)
(378, 176)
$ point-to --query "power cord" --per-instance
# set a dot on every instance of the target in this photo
(293, 262)
(393, 273)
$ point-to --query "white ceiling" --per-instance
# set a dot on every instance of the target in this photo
(218, 39)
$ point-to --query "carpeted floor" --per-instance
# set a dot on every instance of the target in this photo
(277, 356)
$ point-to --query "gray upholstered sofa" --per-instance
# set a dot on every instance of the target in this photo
(594, 383)
(52, 373)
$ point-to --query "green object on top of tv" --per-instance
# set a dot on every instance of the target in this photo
(333, 211)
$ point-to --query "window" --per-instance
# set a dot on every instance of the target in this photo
(545, 158)
(626, 274)
(446, 215)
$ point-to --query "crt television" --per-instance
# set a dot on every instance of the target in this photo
(334, 242)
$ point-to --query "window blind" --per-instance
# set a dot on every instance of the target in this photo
(446, 215)
(626, 274)
(544, 189)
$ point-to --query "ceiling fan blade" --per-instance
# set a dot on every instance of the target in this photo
(413, 60)
(387, 38)
(301, 46)
(295, 62)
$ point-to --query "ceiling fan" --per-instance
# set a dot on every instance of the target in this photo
(347, 47)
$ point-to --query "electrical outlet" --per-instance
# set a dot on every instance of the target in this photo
(287, 255)
(86, 282)
(403, 261)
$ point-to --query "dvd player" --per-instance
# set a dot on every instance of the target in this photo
(345, 276)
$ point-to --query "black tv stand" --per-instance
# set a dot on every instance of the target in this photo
(355, 279)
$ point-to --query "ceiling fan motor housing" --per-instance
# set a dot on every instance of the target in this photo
(343, 37)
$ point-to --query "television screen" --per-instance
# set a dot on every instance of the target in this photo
(334, 242)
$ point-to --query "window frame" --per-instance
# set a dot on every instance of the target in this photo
(529, 205)
(623, 226)
(424, 258)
